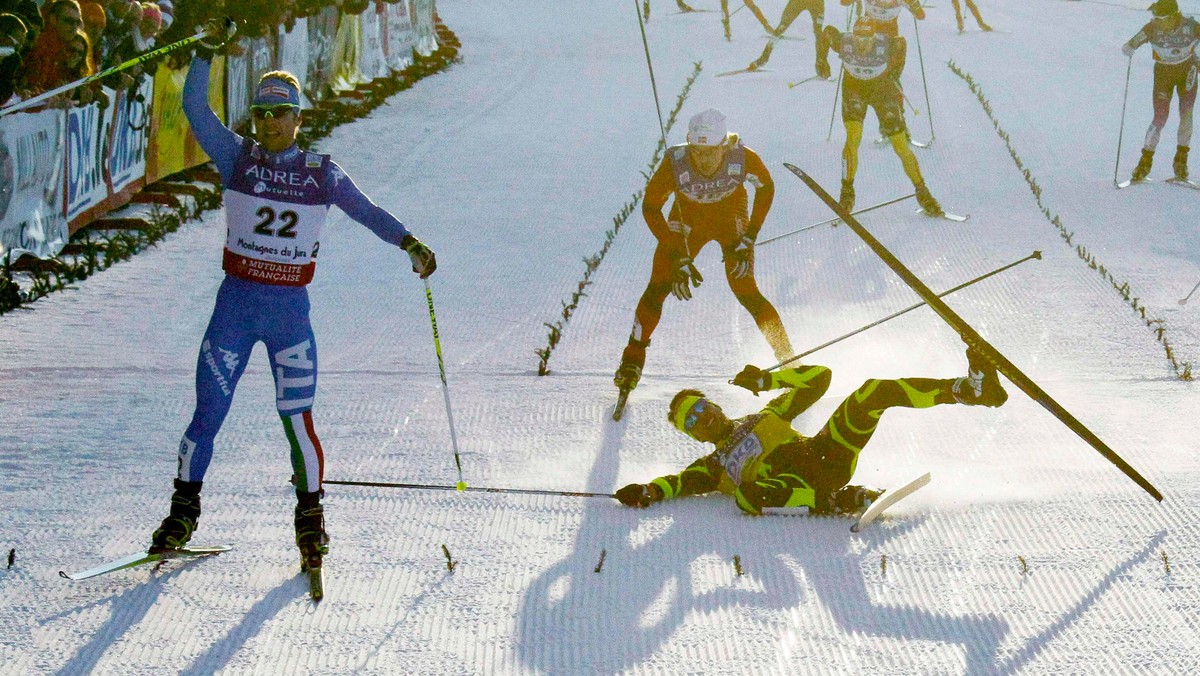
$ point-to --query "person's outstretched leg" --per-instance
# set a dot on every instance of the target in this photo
(645, 320)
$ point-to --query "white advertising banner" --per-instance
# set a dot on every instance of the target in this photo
(32, 149)
(401, 36)
(87, 129)
(130, 126)
(293, 55)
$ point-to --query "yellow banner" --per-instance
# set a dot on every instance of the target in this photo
(172, 147)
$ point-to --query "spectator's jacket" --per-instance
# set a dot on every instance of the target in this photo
(275, 204)
(741, 465)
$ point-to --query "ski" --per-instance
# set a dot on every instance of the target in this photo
(883, 140)
(1184, 183)
(957, 218)
(796, 38)
(976, 341)
(743, 70)
(1126, 184)
(793, 85)
(316, 580)
(889, 498)
(145, 557)
(622, 397)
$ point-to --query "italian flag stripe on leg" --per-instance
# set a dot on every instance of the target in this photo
(308, 460)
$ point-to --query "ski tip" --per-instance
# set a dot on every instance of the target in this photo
(64, 575)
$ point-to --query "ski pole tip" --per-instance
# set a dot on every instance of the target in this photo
(1037, 255)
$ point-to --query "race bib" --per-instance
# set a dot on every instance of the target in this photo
(272, 242)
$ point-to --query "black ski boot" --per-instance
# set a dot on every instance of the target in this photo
(310, 530)
(1180, 163)
(632, 359)
(1142, 170)
(179, 525)
(854, 499)
(846, 199)
(927, 201)
(981, 386)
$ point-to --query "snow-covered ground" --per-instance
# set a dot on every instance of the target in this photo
(1029, 553)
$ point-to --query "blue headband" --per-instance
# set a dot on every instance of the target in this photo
(274, 91)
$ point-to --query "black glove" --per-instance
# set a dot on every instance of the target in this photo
(686, 276)
(218, 33)
(639, 495)
(753, 378)
(742, 254)
(423, 260)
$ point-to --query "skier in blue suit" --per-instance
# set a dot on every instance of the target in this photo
(276, 200)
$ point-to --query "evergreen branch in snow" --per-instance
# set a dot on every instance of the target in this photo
(1183, 369)
(592, 263)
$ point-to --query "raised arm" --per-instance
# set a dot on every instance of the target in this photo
(805, 385)
(221, 144)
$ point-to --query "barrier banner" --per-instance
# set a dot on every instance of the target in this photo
(32, 156)
(172, 147)
(87, 132)
(422, 12)
(322, 31)
(127, 144)
(370, 61)
(401, 37)
(346, 49)
(293, 54)
(237, 89)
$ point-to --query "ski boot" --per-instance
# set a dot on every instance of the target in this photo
(981, 386)
(1180, 163)
(854, 499)
(1142, 170)
(311, 539)
(179, 525)
(310, 529)
(927, 201)
(846, 199)
(845, 500)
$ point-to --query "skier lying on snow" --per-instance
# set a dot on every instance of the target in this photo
(762, 462)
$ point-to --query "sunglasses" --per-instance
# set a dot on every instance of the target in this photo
(279, 110)
(689, 421)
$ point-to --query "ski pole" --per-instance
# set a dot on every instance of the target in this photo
(153, 54)
(437, 346)
(841, 71)
(833, 112)
(977, 342)
(480, 489)
(650, 66)
(1035, 255)
(1185, 298)
(1121, 133)
(921, 60)
(835, 218)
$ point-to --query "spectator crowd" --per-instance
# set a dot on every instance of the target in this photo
(45, 44)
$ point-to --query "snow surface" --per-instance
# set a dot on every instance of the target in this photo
(1029, 553)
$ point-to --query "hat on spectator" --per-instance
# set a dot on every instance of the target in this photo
(151, 22)
(274, 91)
(167, 9)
